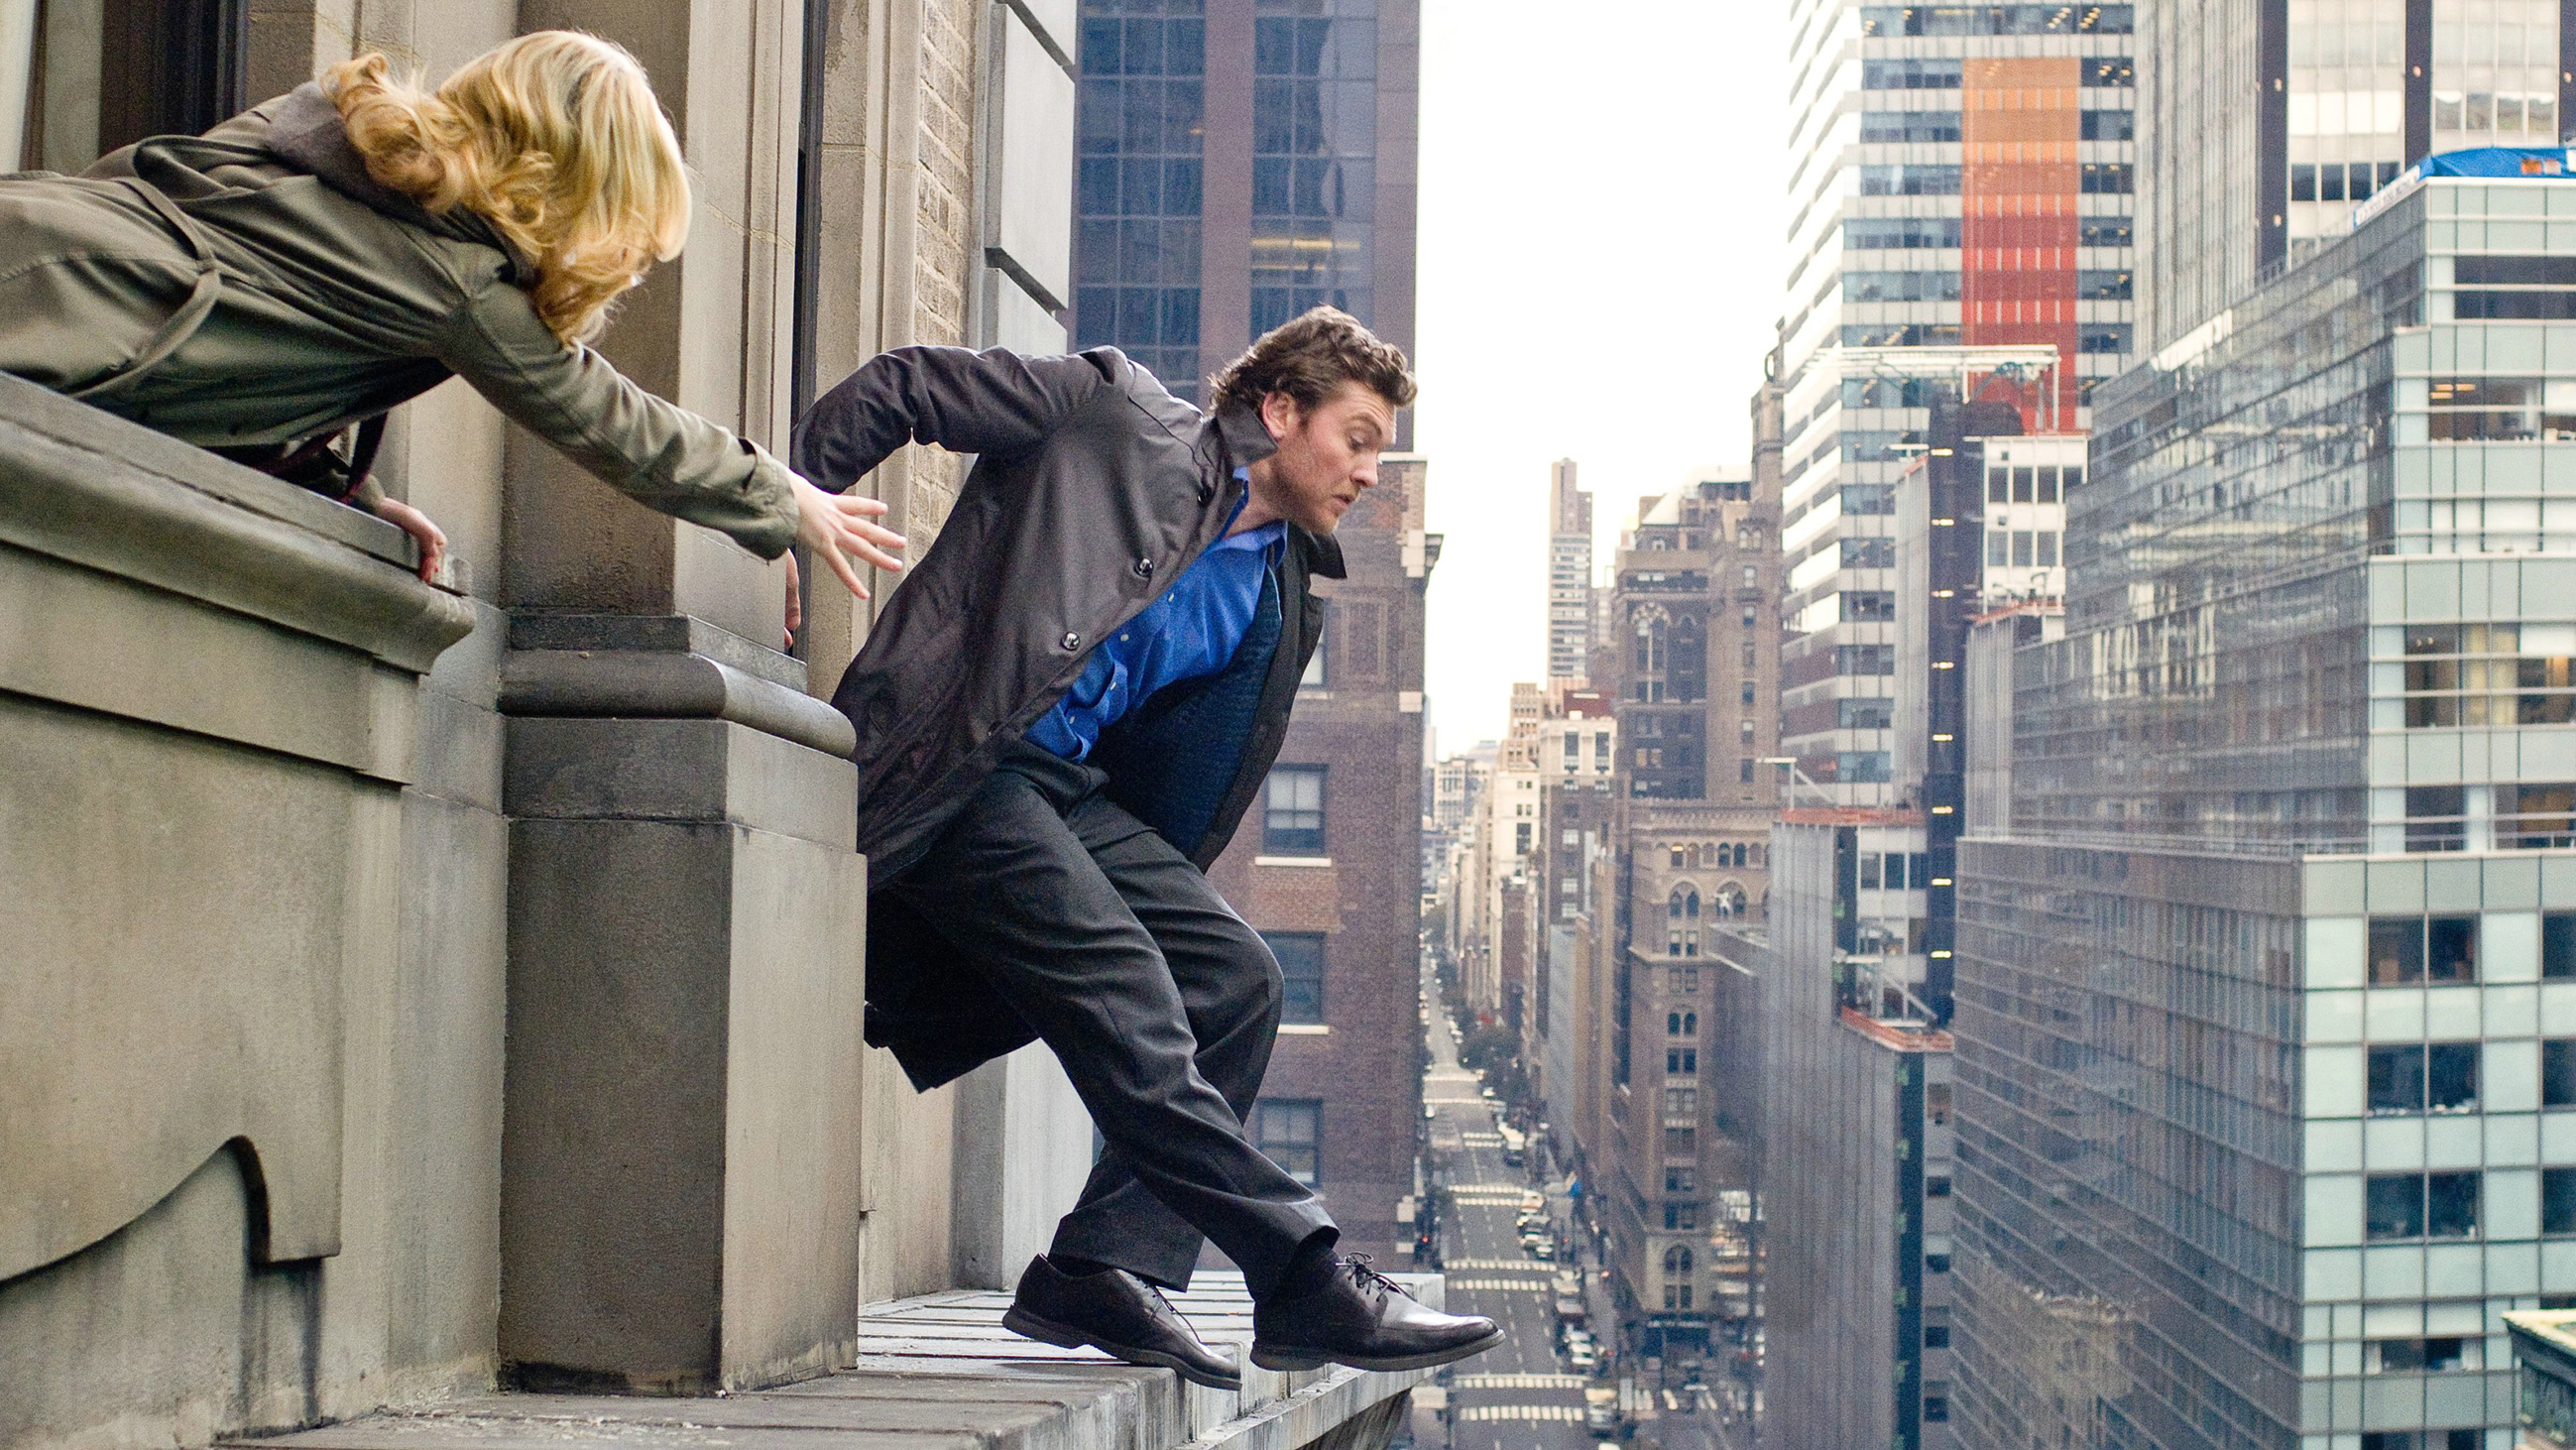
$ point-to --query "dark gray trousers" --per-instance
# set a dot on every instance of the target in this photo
(1161, 1004)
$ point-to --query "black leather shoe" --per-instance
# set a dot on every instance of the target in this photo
(1115, 1311)
(1365, 1320)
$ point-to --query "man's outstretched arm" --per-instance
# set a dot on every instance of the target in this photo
(965, 401)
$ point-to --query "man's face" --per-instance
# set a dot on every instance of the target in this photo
(1325, 458)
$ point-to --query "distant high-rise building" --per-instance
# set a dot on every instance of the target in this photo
(1569, 576)
(1239, 162)
(1959, 177)
(2264, 123)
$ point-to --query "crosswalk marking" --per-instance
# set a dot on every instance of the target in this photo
(1518, 1382)
(1526, 1266)
(1551, 1414)
(1534, 1286)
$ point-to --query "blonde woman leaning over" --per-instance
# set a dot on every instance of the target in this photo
(318, 259)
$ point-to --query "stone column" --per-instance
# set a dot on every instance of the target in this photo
(680, 1150)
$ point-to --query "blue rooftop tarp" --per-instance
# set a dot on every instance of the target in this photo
(2497, 161)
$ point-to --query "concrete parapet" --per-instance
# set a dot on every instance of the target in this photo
(940, 1373)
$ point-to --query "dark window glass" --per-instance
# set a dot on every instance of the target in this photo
(2558, 1073)
(1929, 74)
(1137, 187)
(2394, 1207)
(1290, 1132)
(1936, 1187)
(1866, 233)
(2451, 1077)
(1936, 1336)
(2514, 271)
(1936, 1408)
(2451, 1205)
(1301, 969)
(2558, 1200)
(2103, 286)
(2119, 125)
(2451, 949)
(1867, 605)
(2396, 950)
(1293, 816)
(2397, 1079)
(2104, 231)
(2558, 944)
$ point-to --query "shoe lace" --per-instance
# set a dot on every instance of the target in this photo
(1369, 1278)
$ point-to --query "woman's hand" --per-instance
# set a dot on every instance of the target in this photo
(431, 538)
(837, 528)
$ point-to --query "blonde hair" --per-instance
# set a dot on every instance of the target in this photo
(556, 140)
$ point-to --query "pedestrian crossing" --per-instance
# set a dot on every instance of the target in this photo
(1505, 1286)
(1525, 1266)
(1540, 1414)
(1518, 1382)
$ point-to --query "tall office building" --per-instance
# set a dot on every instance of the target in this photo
(1241, 161)
(1569, 577)
(2266, 1025)
(2264, 123)
(1960, 176)
(1670, 1157)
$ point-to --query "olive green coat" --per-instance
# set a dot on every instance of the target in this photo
(254, 285)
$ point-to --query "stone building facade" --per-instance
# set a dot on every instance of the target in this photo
(274, 1165)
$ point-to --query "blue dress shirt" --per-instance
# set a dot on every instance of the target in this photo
(1192, 630)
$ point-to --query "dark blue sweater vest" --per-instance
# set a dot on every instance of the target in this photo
(1172, 759)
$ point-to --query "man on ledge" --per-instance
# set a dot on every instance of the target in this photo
(1061, 716)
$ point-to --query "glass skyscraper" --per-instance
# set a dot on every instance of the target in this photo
(1960, 175)
(2266, 994)
(1242, 161)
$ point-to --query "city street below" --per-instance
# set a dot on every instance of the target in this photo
(1532, 1392)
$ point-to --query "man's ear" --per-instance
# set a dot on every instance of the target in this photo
(1280, 415)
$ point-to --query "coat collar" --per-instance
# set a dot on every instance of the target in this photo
(306, 131)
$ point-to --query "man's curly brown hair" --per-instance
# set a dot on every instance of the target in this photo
(1309, 358)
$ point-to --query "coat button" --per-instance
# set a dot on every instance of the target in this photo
(1071, 640)
(1144, 568)
(1206, 491)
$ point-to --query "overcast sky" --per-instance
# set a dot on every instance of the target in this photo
(1600, 274)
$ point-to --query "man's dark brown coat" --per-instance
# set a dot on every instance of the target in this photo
(1092, 490)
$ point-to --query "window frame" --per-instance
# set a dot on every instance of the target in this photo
(1290, 997)
(1295, 838)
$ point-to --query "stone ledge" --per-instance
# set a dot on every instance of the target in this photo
(940, 1373)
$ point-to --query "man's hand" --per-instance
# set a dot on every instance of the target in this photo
(431, 538)
(837, 528)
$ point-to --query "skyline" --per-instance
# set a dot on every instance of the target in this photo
(1684, 350)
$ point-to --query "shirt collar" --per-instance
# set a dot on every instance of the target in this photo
(1260, 538)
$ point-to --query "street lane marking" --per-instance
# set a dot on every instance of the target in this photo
(1518, 1382)
(1549, 1414)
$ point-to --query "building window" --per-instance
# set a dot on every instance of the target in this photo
(1936, 1186)
(1936, 1336)
(2558, 1200)
(1686, 1180)
(2558, 1073)
(1681, 1142)
(2558, 944)
(1681, 1216)
(1936, 1263)
(1683, 979)
(2418, 1356)
(1289, 1132)
(1682, 1060)
(2406, 949)
(1137, 188)
(1301, 969)
(1681, 1024)
(1936, 1408)
(1681, 1102)
(1293, 821)
(2408, 1078)
(2422, 1205)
